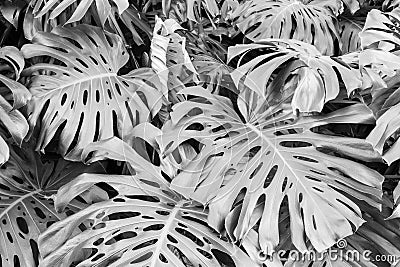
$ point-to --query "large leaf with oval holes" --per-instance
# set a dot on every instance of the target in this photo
(313, 23)
(145, 225)
(286, 66)
(12, 63)
(83, 94)
(26, 210)
(265, 154)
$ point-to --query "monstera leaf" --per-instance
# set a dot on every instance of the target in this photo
(209, 5)
(189, 9)
(56, 7)
(35, 24)
(290, 19)
(266, 154)
(84, 95)
(169, 58)
(146, 134)
(390, 4)
(145, 225)
(132, 18)
(47, 21)
(209, 60)
(386, 107)
(213, 73)
(349, 29)
(26, 210)
(12, 62)
(12, 10)
(134, 151)
(378, 69)
(374, 244)
(396, 197)
(299, 68)
(381, 30)
(385, 131)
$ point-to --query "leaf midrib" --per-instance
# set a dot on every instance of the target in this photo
(99, 76)
(19, 200)
(287, 165)
(164, 232)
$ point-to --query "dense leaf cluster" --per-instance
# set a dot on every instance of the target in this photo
(199, 132)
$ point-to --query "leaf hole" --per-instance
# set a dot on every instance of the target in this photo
(97, 96)
(78, 70)
(223, 258)
(162, 258)
(121, 236)
(144, 198)
(63, 99)
(39, 213)
(103, 59)
(16, 261)
(121, 215)
(154, 227)
(98, 241)
(294, 144)
(82, 63)
(35, 251)
(189, 235)
(142, 258)
(94, 60)
(284, 184)
(305, 159)
(145, 244)
(270, 176)
(181, 256)
(257, 169)
(98, 256)
(22, 225)
(97, 127)
(163, 212)
(9, 237)
(172, 239)
(205, 253)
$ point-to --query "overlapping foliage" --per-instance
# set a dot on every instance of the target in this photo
(199, 132)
